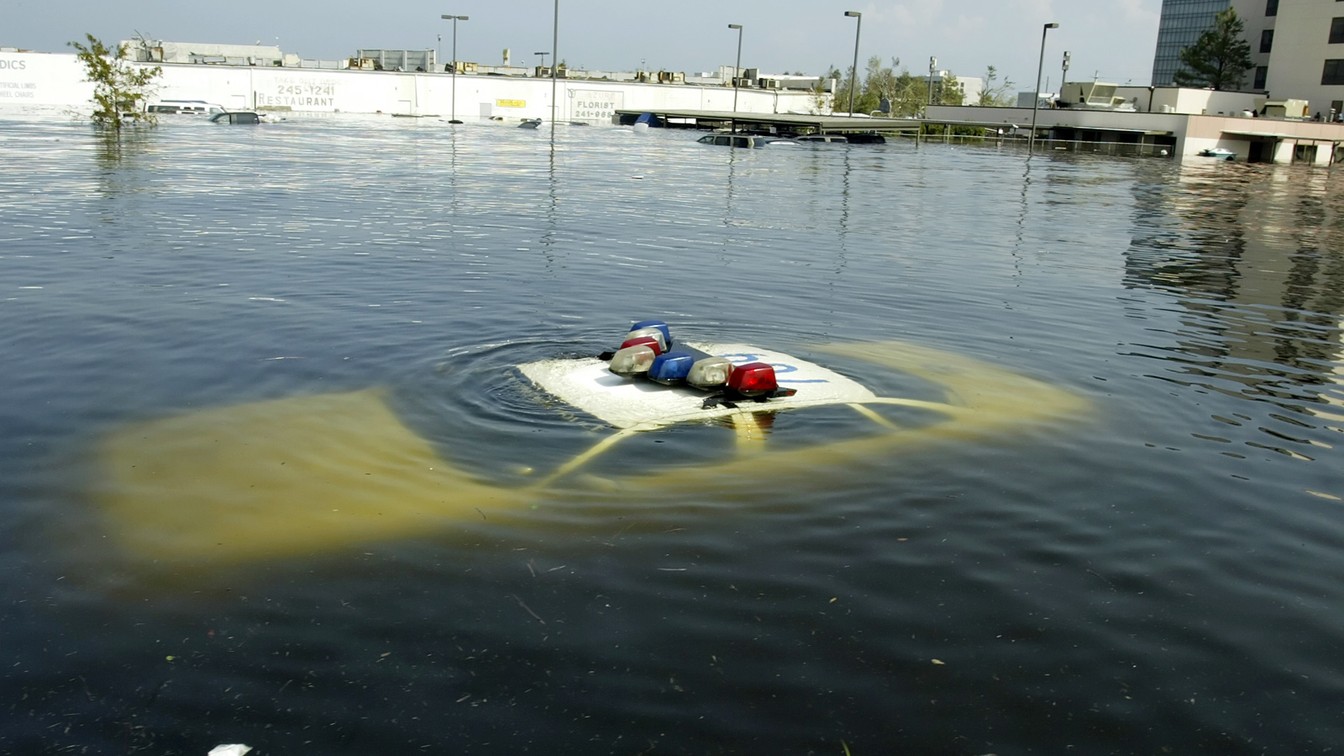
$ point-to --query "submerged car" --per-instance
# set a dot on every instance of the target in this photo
(302, 475)
(822, 139)
(185, 107)
(236, 116)
(743, 140)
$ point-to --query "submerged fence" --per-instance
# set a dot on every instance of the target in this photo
(1117, 149)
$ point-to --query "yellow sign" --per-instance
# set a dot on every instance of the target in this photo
(510, 103)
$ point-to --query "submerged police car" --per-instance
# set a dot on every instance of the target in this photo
(307, 475)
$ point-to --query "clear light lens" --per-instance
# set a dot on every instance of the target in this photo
(659, 334)
(672, 367)
(709, 373)
(632, 360)
(660, 325)
(753, 379)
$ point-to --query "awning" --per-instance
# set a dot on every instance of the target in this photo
(1278, 135)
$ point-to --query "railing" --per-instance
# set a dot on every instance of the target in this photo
(1044, 145)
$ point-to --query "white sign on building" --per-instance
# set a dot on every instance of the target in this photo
(595, 105)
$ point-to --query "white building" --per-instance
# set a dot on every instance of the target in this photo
(56, 81)
(1298, 49)
(1297, 46)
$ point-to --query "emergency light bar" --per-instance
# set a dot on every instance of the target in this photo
(633, 359)
(655, 328)
(627, 402)
(710, 373)
(752, 380)
(671, 368)
(645, 352)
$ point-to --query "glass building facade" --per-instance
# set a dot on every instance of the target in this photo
(1180, 26)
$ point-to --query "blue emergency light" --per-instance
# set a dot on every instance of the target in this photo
(656, 328)
(672, 368)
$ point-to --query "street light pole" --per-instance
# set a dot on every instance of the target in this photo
(542, 55)
(555, 60)
(452, 118)
(1064, 75)
(1036, 94)
(737, 70)
(933, 66)
(854, 72)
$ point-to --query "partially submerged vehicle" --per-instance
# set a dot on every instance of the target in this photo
(749, 141)
(185, 107)
(245, 117)
(306, 475)
(821, 139)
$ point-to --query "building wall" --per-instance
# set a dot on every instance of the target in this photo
(1289, 39)
(1190, 101)
(30, 80)
(39, 80)
(1300, 51)
(1256, 16)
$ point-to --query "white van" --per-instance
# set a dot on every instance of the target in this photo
(189, 107)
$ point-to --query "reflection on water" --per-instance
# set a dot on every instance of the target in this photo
(1251, 254)
(1155, 565)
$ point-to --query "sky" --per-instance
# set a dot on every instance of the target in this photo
(1111, 40)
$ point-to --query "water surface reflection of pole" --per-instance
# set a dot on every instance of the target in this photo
(1035, 95)
(737, 70)
(854, 73)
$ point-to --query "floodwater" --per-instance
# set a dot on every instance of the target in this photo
(223, 345)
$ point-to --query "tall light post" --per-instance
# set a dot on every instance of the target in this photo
(1036, 95)
(452, 118)
(737, 70)
(933, 67)
(1064, 74)
(555, 60)
(854, 72)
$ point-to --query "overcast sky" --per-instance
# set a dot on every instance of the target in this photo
(1112, 40)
